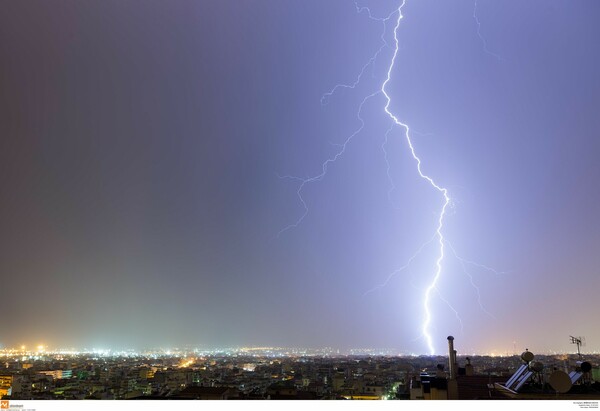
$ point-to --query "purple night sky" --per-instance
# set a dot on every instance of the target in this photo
(143, 144)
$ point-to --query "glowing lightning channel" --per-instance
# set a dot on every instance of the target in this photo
(325, 97)
(483, 41)
(399, 270)
(324, 101)
(324, 166)
(473, 263)
(464, 263)
(462, 328)
(303, 182)
(442, 190)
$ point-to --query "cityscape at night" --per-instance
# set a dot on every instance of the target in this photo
(278, 373)
(269, 200)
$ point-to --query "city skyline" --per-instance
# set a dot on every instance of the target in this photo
(227, 175)
(275, 351)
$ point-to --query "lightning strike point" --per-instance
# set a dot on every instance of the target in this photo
(446, 199)
(443, 191)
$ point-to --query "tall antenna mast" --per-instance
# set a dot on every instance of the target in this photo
(577, 340)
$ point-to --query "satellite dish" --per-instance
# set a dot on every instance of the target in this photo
(527, 356)
(536, 366)
(560, 381)
(586, 366)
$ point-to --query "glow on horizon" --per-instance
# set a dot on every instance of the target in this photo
(197, 353)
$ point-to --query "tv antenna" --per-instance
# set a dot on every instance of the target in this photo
(580, 341)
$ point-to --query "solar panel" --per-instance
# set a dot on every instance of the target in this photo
(575, 376)
(523, 380)
(515, 376)
(520, 377)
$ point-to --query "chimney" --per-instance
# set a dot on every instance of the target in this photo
(455, 364)
(452, 383)
(451, 357)
(469, 368)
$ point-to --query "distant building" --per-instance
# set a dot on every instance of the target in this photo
(58, 374)
(146, 373)
(6, 382)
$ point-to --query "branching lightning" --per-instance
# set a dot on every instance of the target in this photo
(400, 269)
(324, 167)
(475, 264)
(325, 97)
(483, 41)
(464, 264)
(441, 297)
(324, 101)
(443, 191)
(446, 202)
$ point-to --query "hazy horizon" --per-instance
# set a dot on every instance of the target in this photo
(152, 154)
(275, 351)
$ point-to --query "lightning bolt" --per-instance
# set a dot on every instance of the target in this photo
(443, 191)
(325, 97)
(462, 328)
(464, 264)
(324, 167)
(441, 242)
(483, 41)
(401, 269)
(303, 182)
(473, 263)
